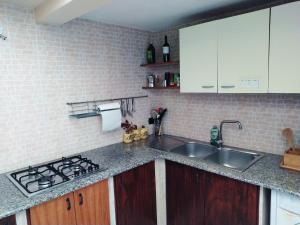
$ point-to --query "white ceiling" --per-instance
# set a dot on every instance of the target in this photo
(152, 15)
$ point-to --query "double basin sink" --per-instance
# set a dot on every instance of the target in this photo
(228, 157)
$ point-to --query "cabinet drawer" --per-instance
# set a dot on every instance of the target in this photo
(285, 209)
(286, 217)
(288, 202)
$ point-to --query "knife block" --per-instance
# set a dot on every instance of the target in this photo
(291, 159)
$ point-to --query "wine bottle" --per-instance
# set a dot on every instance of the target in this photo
(151, 54)
(166, 50)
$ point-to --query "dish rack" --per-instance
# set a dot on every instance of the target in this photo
(87, 109)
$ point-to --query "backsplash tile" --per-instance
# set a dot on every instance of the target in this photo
(263, 117)
(44, 67)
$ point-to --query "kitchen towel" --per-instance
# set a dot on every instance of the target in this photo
(111, 116)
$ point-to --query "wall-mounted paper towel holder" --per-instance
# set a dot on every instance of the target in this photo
(86, 109)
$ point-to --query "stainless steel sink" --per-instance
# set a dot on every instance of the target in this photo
(233, 158)
(194, 149)
(237, 159)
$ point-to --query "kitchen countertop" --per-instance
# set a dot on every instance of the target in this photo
(121, 157)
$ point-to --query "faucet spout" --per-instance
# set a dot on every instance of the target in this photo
(240, 126)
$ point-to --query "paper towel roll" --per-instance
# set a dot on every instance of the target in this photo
(111, 116)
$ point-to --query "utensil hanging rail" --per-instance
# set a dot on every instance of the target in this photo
(107, 100)
(89, 108)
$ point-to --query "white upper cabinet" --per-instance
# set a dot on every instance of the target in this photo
(198, 58)
(285, 49)
(243, 53)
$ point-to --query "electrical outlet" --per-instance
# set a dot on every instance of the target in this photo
(251, 83)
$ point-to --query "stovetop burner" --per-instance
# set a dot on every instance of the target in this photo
(32, 171)
(33, 180)
(45, 182)
(66, 161)
(77, 168)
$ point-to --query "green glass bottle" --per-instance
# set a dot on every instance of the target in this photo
(151, 54)
(214, 135)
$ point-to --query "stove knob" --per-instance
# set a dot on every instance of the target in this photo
(97, 167)
(90, 169)
(76, 173)
(83, 171)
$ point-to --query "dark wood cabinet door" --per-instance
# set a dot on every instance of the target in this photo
(185, 194)
(59, 211)
(230, 202)
(135, 196)
(11, 220)
(92, 204)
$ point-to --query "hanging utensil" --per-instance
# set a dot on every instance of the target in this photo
(133, 105)
(128, 107)
(123, 109)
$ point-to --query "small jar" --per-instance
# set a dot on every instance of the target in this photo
(144, 133)
(127, 138)
(137, 134)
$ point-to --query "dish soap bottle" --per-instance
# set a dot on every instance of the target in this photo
(214, 135)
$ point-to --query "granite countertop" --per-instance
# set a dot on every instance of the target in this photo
(120, 157)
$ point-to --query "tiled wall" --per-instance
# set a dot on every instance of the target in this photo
(44, 67)
(263, 116)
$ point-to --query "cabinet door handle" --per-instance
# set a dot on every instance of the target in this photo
(208, 86)
(227, 86)
(68, 204)
(80, 199)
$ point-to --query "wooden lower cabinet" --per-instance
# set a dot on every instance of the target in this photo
(57, 211)
(92, 205)
(10, 220)
(88, 206)
(230, 202)
(135, 196)
(185, 195)
(195, 197)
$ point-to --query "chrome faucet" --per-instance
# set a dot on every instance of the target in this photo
(220, 140)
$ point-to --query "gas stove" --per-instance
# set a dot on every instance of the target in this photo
(37, 179)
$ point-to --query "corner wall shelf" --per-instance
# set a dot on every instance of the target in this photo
(161, 64)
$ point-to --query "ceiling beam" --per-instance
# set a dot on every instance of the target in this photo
(58, 12)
